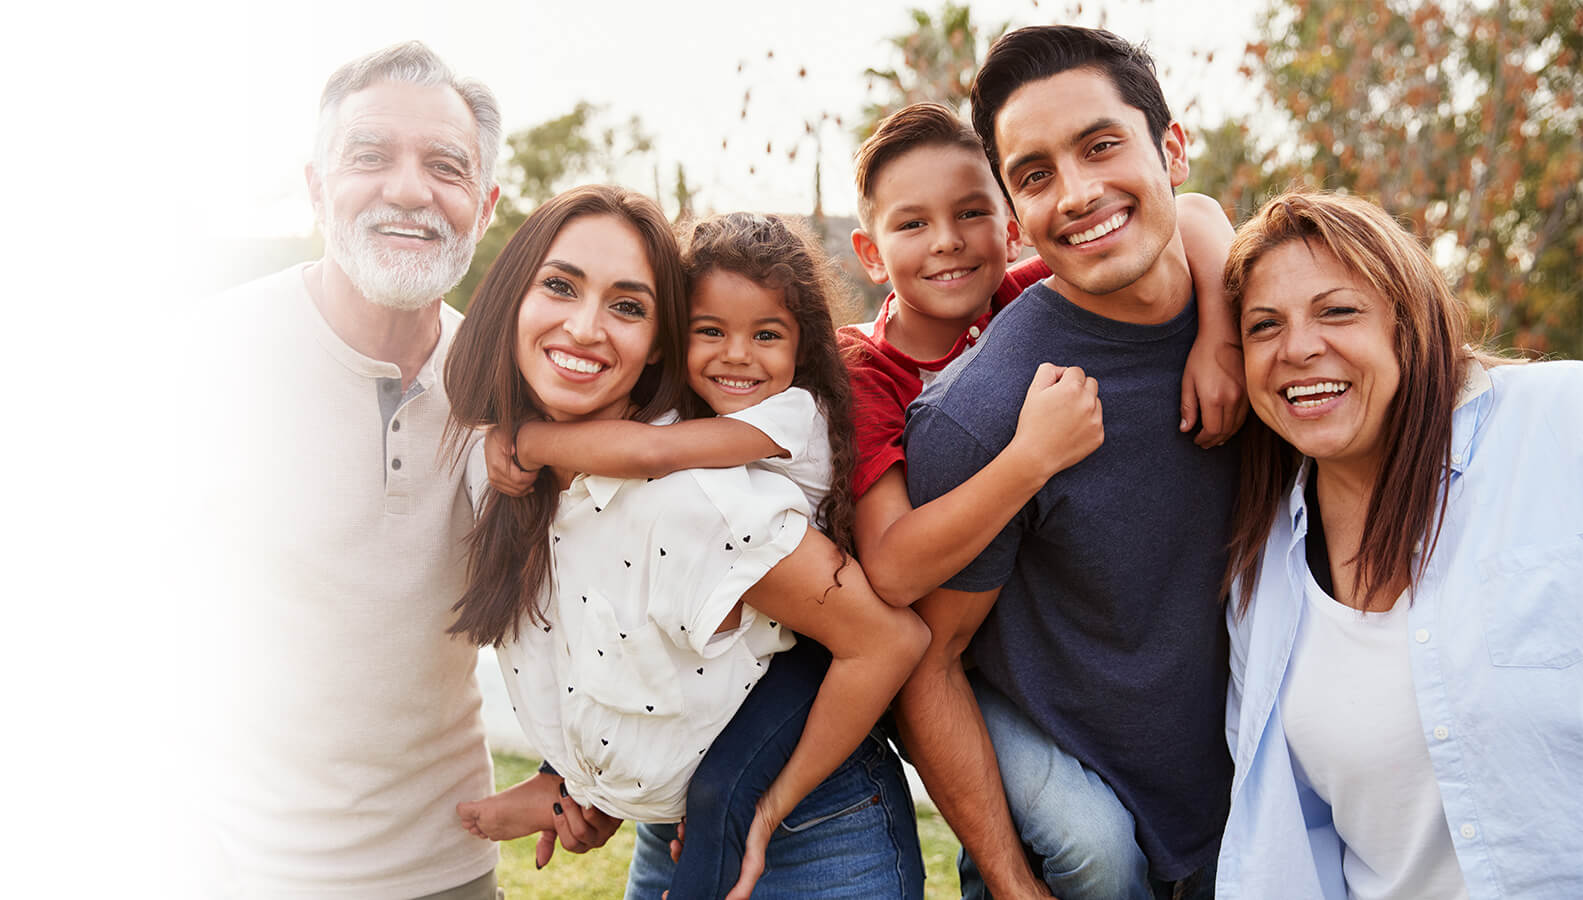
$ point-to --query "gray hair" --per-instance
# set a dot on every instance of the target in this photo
(412, 63)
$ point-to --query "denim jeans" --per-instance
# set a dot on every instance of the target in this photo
(857, 829)
(1078, 836)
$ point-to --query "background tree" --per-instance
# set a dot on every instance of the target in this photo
(939, 57)
(1462, 118)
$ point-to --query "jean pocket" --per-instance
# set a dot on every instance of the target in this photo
(1529, 597)
(804, 825)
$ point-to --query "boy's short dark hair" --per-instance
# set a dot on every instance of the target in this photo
(1039, 52)
(908, 128)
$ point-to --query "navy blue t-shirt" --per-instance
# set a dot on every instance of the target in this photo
(1108, 632)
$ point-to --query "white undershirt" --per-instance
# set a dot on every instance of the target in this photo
(1356, 738)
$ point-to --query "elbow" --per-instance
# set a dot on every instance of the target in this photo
(913, 639)
(894, 591)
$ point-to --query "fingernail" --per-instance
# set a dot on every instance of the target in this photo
(1182, 426)
(559, 811)
(563, 788)
(537, 864)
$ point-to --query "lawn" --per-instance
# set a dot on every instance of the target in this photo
(603, 873)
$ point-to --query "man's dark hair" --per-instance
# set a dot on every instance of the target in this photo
(1036, 53)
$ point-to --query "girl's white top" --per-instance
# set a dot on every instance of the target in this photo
(625, 685)
(1355, 736)
(793, 420)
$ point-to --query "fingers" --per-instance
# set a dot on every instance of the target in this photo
(752, 858)
(681, 835)
(582, 829)
(1189, 406)
(545, 849)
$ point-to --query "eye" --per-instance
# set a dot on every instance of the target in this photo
(630, 308)
(1332, 312)
(709, 331)
(972, 213)
(1258, 326)
(910, 226)
(559, 286)
(448, 169)
(767, 334)
(366, 159)
(1101, 146)
(1033, 178)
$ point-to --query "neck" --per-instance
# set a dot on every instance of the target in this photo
(925, 337)
(404, 337)
(1159, 295)
(1344, 492)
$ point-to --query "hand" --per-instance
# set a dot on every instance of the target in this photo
(681, 835)
(506, 475)
(1214, 382)
(753, 854)
(580, 829)
(1061, 420)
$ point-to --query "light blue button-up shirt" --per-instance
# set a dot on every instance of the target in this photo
(1495, 635)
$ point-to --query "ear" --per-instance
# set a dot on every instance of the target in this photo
(1173, 147)
(486, 211)
(315, 190)
(654, 355)
(868, 256)
(1013, 241)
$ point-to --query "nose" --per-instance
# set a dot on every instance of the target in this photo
(947, 238)
(737, 349)
(582, 323)
(405, 186)
(1301, 342)
(1077, 191)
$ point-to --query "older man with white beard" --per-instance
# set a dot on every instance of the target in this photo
(348, 717)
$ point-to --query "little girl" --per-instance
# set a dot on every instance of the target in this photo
(762, 354)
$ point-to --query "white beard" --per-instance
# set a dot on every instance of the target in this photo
(399, 279)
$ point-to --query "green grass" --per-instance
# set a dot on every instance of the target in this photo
(603, 872)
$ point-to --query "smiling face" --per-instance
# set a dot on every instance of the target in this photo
(940, 233)
(741, 343)
(587, 325)
(1320, 352)
(1090, 188)
(398, 195)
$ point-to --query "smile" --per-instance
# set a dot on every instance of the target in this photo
(575, 363)
(950, 275)
(736, 384)
(1098, 231)
(422, 234)
(1307, 396)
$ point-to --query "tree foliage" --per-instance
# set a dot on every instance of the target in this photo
(939, 57)
(1462, 118)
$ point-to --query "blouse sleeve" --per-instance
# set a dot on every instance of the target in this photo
(788, 418)
(717, 531)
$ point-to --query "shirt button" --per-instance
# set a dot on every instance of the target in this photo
(395, 464)
(396, 425)
(1442, 732)
(973, 332)
(1456, 458)
(1418, 546)
(1468, 831)
(1421, 635)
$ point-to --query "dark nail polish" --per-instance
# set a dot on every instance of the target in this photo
(563, 788)
(559, 811)
(537, 864)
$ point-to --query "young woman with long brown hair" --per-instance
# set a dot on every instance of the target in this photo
(633, 616)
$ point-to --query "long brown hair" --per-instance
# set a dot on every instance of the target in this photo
(780, 253)
(1430, 335)
(508, 564)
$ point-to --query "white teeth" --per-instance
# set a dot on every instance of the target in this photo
(1098, 231)
(404, 232)
(1297, 392)
(737, 383)
(575, 363)
(949, 276)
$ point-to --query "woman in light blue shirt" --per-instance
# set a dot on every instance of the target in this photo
(1406, 700)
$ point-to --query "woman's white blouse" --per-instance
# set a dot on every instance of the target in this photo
(625, 684)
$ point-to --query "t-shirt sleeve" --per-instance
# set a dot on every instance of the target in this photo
(788, 419)
(878, 417)
(720, 531)
(941, 455)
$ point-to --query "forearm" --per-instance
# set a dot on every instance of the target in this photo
(925, 547)
(621, 448)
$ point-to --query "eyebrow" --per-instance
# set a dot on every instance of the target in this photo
(452, 152)
(1319, 296)
(625, 284)
(363, 137)
(765, 320)
(1093, 127)
(911, 209)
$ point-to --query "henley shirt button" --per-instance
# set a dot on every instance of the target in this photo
(1456, 458)
(1442, 732)
(395, 464)
(396, 425)
(1421, 635)
(973, 332)
(1468, 831)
